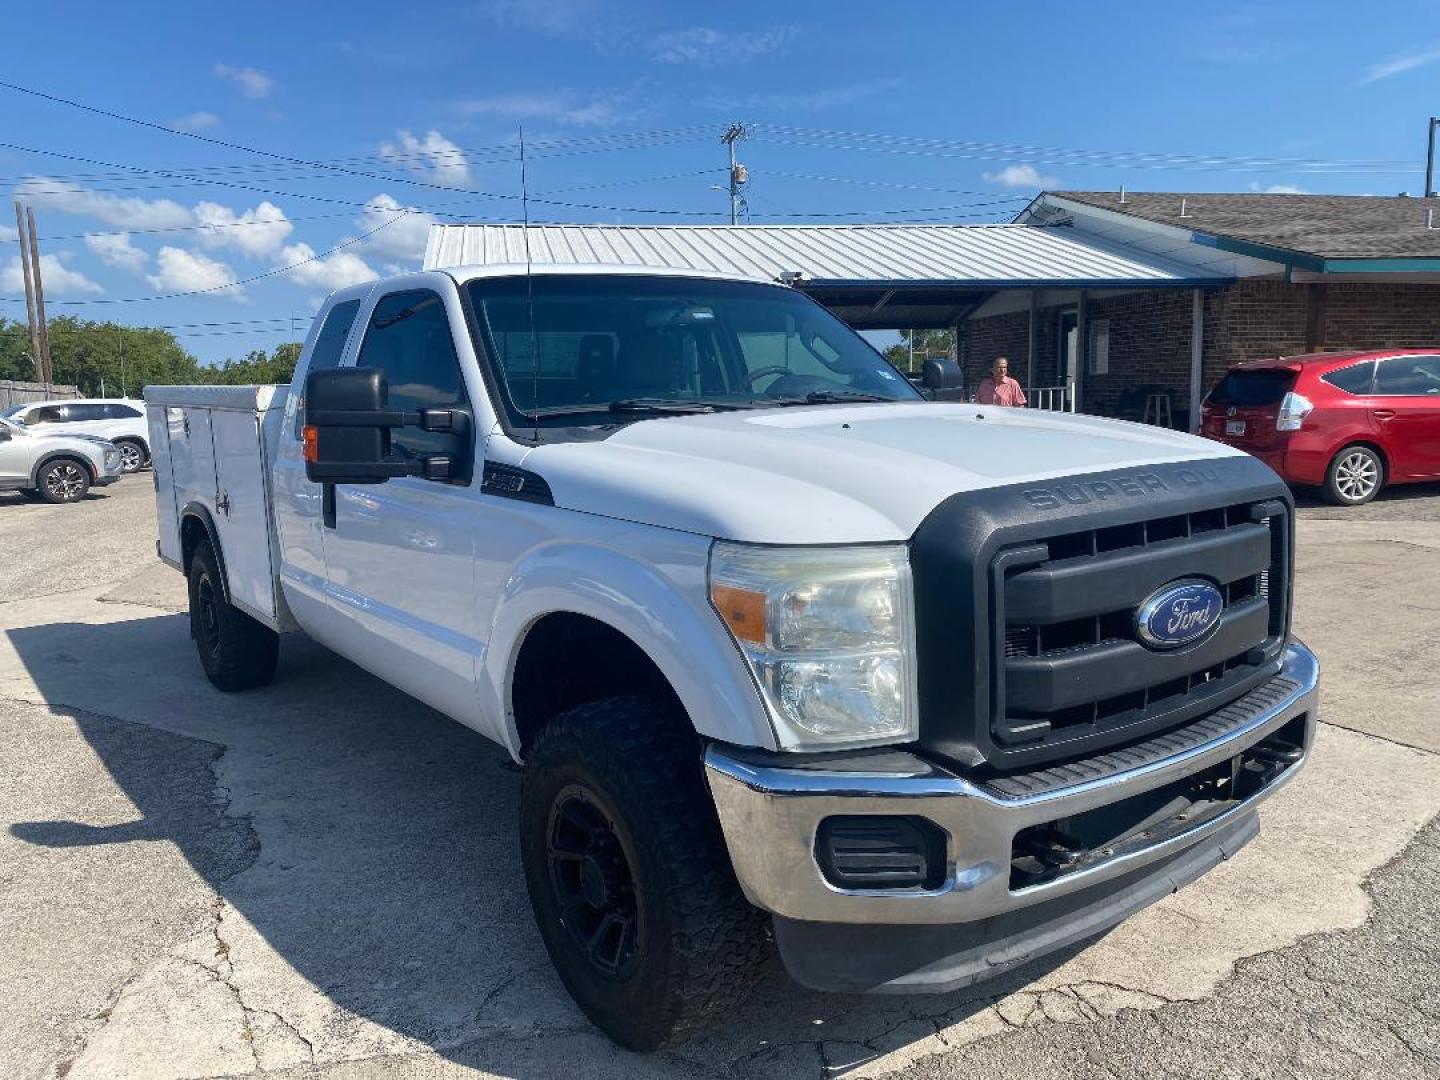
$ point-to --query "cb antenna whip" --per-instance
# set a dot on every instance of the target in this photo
(530, 291)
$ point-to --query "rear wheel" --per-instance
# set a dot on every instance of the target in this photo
(132, 455)
(1355, 476)
(236, 652)
(628, 874)
(63, 480)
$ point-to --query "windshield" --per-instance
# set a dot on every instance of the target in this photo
(13, 412)
(610, 348)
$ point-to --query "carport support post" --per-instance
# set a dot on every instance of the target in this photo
(1030, 340)
(1197, 355)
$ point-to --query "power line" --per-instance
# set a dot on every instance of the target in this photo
(959, 148)
(340, 169)
(553, 202)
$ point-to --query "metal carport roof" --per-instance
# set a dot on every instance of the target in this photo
(918, 274)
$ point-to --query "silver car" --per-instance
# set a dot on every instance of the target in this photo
(56, 468)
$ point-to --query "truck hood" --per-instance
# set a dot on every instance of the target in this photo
(839, 473)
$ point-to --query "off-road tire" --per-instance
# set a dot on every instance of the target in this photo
(699, 942)
(63, 480)
(133, 457)
(236, 652)
(1355, 476)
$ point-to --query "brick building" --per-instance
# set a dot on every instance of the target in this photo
(1305, 273)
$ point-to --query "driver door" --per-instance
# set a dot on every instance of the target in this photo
(400, 560)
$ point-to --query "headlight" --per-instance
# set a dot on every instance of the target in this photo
(829, 636)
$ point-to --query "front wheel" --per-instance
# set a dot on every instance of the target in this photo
(63, 481)
(628, 875)
(132, 455)
(1355, 476)
(236, 652)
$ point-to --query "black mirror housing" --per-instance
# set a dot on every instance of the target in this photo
(355, 452)
(941, 373)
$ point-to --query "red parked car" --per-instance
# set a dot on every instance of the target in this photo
(1349, 423)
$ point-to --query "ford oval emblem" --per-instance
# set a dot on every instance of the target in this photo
(1179, 613)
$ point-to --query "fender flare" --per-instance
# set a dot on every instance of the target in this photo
(201, 513)
(73, 455)
(686, 641)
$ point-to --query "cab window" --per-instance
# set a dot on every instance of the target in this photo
(409, 339)
(329, 345)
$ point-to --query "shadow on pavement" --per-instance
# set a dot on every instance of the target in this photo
(379, 862)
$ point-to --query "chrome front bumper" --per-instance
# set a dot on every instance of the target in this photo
(771, 815)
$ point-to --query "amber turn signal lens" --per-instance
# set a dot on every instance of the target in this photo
(312, 443)
(742, 610)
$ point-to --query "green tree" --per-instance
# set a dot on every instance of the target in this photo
(927, 343)
(256, 366)
(106, 357)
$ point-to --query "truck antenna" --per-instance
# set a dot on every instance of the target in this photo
(530, 292)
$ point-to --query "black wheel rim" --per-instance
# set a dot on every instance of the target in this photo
(593, 884)
(207, 613)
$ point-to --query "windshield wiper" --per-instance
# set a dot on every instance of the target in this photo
(639, 406)
(830, 397)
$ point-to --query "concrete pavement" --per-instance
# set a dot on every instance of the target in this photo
(319, 878)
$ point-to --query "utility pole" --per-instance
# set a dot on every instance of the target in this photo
(46, 360)
(29, 293)
(1430, 157)
(739, 175)
(121, 335)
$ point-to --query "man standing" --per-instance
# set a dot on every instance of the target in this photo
(999, 389)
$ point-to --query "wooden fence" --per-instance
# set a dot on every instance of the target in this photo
(14, 392)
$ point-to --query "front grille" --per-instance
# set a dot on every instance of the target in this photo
(1026, 598)
(1072, 667)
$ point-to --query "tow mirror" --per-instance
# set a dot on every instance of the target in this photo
(348, 421)
(943, 378)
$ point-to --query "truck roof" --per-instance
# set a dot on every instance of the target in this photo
(487, 270)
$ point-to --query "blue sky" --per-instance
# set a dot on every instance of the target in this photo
(417, 109)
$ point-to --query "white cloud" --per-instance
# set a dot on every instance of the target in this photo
(1279, 189)
(59, 280)
(116, 249)
(404, 240)
(178, 270)
(196, 121)
(434, 156)
(128, 213)
(1398, 65)
(563, 108)
(330, 273)
(256, 232)
(252, 83)
(1022, 175)
(561, 17)
(707, 47)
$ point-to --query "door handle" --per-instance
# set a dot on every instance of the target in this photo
(1384, 414)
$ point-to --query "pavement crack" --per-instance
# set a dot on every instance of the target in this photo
(1380, 738)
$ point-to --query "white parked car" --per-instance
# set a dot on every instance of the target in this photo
(56, 468)
(117, 420)
(912, 691)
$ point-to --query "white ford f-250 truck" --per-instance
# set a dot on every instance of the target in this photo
(792, 656)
